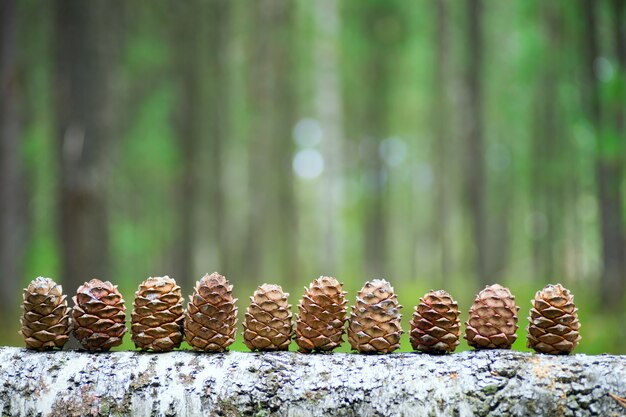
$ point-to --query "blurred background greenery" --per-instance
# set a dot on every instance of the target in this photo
(436, 143)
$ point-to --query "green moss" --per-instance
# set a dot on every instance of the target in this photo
(261, 413)
(490, 389)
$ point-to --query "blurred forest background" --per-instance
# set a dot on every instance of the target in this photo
(436, 143)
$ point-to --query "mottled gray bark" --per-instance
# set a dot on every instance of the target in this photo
(501, 383)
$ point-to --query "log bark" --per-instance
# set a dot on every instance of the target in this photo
(478, 383)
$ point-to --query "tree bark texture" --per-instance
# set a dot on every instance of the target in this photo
(477, 383)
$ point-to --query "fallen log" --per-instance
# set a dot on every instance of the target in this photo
(185, 383)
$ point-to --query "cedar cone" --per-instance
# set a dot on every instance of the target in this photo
(554, 326)
(45, 320)
(435, 326)
(99, 315)
(322, 315)
(492, 319)
(267, 325)
(374, 324)
(211, 316)
(157, 317)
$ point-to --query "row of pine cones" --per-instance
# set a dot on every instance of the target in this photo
(160, 323)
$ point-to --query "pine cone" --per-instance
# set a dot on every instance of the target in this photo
(45, 320)
(157, 317)
(98, 315)
(267, 325)
(435, 326)
(492, 319)
(374, 324)
(211, 316)
(554, 326)
(322, 315)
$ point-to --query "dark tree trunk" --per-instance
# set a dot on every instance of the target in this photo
(547, 151)
(219, 126)
(271, 235)
(441, 118)
(475, 168)
(200, 43)
(619, 35)
(608, 167)
(85, 55)
(377, 68)
(12, 207)
(187, 47)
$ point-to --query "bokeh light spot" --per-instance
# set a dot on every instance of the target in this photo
(307, 133)
(308, 164)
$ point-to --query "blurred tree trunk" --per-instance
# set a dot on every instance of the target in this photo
(619, 108)
(475, 159)
(85, 54)
(556, 151)
(381, 32)
(608, 168)
(12, 204)
(219, 123)
(200, 44)
(329, 110)
(547, 152)
(187, 68)
(619, 34)
(187, 44)
(272, 231)
(441, 120)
